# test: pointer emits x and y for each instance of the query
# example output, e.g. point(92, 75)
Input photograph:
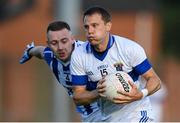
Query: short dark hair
point(97, 9)
point(58, 25)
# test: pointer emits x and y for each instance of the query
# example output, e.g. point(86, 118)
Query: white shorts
point(135, 116)
point(137, 111)
point(96, 116)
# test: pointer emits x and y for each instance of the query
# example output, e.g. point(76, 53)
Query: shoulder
point(78, 43)
point(47, 49)
point(126, 43)
point(80, 46)
point(48, 53)
point(130, 49)
point(79, 52)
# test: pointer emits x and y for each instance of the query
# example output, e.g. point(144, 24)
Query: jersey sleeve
point(138, 58)
point(78, 73)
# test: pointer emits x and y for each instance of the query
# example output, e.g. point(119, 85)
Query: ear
point(108, 26)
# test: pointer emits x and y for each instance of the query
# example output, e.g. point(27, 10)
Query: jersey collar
point(101, 56)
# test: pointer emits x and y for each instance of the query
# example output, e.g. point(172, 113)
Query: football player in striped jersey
point(57, 54)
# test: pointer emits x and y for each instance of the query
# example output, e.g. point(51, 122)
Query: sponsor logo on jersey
point(102, 67)
point(89, 73)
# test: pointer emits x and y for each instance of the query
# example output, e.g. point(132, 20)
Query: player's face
point(61, 43)
point(96, 29)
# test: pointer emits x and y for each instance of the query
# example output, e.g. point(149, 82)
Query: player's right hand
point(101, 87)
point(26, 56)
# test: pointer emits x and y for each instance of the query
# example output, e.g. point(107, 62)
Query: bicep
point(38, 52)
point(149, 74)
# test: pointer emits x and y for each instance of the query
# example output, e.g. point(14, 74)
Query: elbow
point(76, 100)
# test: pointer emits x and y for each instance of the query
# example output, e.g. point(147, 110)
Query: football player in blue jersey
point(57, 54)
point(104, 53)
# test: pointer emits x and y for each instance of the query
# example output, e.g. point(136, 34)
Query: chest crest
point(118, 66)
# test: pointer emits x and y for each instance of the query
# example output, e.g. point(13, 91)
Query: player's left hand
point(26, 56)
point(128, 97)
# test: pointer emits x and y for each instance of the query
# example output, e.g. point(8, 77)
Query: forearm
point(86, 97)
point(153, 82)
point(153, 85)
point(37, 51)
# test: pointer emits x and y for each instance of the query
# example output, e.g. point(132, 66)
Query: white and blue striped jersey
point(88, 67)
point(61, 71)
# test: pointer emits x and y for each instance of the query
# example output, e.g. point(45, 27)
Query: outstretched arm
point(37, 51)
point(32, 50)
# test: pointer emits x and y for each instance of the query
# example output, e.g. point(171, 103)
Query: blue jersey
point(61, 71)
point(121, 55)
